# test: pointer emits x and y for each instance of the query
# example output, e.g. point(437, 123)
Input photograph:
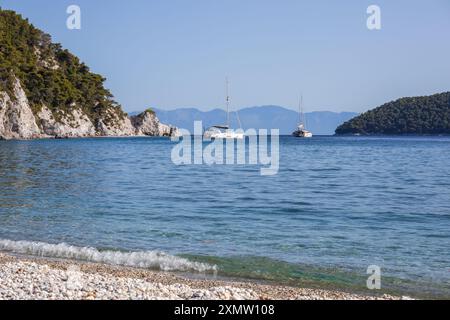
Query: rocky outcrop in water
point(148, 124)
point(18, 121)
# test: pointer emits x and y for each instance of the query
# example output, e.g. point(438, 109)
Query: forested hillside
point(49, 74)
point(416, 115)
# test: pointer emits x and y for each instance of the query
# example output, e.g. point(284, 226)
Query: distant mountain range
point(264, 117)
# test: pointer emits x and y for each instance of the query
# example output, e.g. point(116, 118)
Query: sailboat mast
point(300, 110)
point(227, 102)
point(303, 114)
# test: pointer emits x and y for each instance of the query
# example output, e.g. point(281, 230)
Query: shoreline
point(55, 138)
point(30, 277)
point(51, 138)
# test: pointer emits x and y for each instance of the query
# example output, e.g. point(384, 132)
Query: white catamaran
point(224, 131)
point(301, 131)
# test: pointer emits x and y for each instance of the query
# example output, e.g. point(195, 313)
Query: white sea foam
point(142, 259)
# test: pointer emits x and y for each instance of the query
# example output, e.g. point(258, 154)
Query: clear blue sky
point(176, 53)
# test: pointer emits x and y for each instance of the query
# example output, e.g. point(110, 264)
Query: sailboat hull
point(302, 134)
point(224, 135)
point(301, 131)
point(224, 131)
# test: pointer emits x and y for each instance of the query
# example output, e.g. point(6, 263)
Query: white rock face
point(16, 118)
point(116, 126)
point(148, 124)
point(17, 121)
point(76, 124)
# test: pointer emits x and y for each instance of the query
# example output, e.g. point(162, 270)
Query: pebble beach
point(30, 278)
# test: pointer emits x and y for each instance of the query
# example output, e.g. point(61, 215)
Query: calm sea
point(338, 205)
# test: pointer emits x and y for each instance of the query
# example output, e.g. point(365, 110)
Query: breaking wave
point(141, 259)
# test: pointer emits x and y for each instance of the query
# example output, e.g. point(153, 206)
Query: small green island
point(428, 115)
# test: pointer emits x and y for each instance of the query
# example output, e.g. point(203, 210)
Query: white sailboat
point(301, 131)
point(224, 131)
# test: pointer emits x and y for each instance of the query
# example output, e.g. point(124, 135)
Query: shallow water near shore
point(337, 205)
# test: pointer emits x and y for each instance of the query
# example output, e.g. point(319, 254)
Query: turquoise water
point(338, 205)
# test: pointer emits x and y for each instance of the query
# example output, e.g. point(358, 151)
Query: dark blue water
point(337, 206)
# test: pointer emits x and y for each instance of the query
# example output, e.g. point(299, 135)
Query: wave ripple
point(141, 259)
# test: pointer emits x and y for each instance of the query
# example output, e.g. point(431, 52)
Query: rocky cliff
point(45, 91)
point(17, 121)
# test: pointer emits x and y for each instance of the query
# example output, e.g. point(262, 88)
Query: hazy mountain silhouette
point(264, 117)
